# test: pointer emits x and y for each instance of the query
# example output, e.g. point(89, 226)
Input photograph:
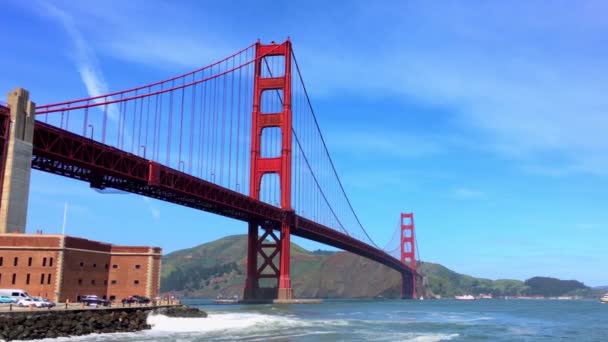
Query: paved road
point(79, 306)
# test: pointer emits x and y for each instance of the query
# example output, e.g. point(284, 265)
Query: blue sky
point(487, 119)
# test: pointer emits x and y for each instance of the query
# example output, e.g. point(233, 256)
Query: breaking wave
point(230, 326)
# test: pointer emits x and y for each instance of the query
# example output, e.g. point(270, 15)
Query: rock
point(52, 324)
point(180, 311)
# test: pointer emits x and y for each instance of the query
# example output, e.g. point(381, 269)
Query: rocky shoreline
point(51, 324)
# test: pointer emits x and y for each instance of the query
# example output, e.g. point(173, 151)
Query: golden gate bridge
point(238, 138)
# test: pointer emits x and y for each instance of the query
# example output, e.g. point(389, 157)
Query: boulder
point(180, 311)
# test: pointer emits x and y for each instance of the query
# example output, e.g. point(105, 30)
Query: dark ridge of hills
point(552, 287)
point(219, 267)
point(323, 252)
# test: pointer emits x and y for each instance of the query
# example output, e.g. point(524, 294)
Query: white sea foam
point(228, 326)
point(433, 337)
point(216, 325)
point(211, 323)
point(235, 321)
point(409, 337)
point(129, 336)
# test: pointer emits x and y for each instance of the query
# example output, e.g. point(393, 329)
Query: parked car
point(93, 300)
point(15, 294)
point(45, 301)
point(31, 302)
point(7, 300)
point(136, 299)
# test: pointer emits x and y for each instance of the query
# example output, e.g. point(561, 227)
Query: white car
point(31, 301)
point(45, 301)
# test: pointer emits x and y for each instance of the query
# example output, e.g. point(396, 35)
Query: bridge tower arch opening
point(408, 255)
point(272, 80)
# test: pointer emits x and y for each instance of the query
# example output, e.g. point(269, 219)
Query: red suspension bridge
point(238, 138)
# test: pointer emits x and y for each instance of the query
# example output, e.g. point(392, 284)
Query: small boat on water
point(465, 297)
point(604, 299)
point(226, 300)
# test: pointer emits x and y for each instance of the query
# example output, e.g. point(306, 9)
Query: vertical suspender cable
point(170, 126)
point(192, 125)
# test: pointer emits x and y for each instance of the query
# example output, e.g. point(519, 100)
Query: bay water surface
point(382, 320)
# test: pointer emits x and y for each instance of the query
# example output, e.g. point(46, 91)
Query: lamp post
point(92, 130)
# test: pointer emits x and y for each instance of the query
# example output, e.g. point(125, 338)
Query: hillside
point(544, 286)
point(218, 267)
point(447, 283)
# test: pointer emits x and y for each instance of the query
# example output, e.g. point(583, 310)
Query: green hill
point(551, 287)
point(219, 267)
point(442, 281)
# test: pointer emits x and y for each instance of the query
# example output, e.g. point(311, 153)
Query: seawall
point(43, 323)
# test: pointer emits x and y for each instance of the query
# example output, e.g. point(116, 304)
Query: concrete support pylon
point(18, 163)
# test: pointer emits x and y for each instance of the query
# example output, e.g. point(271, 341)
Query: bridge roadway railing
point(68, 154)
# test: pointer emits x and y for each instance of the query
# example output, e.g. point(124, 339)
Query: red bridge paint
point(408, 251)
point(261, 166)
point(128, 158)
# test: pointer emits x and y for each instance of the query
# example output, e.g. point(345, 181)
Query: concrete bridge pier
point(16, 162)
point(408, 289)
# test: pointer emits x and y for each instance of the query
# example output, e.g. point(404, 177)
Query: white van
point(15, 294)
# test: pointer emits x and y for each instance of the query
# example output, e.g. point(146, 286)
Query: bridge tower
point(408, 255)
point(16, 137)
point(260, 166)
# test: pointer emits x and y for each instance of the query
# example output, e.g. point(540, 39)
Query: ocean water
point(383, 320)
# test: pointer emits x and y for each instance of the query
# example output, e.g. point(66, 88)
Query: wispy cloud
point(148, 32)
point(383, 143)
point(373, 180)
point(590, 164)
point(587, 227)
point(152, 208)
point(88, 68)
point(83, 55)
point(468, 194)
point(528, 96)
point(523, 112)
point(164, 50)
point(529, 88)
point(526, 101)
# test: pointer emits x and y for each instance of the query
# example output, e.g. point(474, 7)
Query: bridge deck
point(64, 153)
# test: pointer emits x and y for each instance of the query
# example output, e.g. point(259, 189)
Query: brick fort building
point(62, 267)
